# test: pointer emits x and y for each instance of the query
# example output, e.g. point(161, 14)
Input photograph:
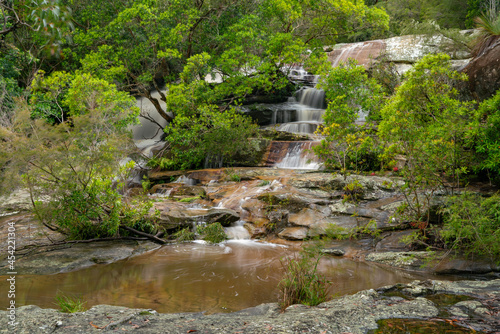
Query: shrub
point(212, 233)
point(472, 224)
point(353, 191)
point(70, 304)
point(184, 235)
point(301, 283)
point(232, 175)
point(336, 232)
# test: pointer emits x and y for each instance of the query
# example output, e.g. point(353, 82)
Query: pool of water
point(195, 277)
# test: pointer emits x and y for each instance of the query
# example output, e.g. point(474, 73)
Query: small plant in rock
point(336, 232)
point(301, 283)
point(263, 183)
point(369, 229)
point(184, 235)
point(352, 192)
point(70, 304)
point(212, 233)
point(146, 184)
point(232, 175)
point(189, 199)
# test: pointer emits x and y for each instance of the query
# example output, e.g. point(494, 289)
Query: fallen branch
point(143, 234)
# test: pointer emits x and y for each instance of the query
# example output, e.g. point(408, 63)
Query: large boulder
point(175, 218)
point(401, 50)
point(484, 71)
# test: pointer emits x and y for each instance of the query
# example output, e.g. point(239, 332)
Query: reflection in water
point(194, 277)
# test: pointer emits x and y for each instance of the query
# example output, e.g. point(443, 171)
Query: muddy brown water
point(193, 277)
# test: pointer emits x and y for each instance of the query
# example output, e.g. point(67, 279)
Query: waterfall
point(293, 155)
point(312, 97)
point(237, 231)
point(299, 127)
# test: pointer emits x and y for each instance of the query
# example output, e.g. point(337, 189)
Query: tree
point(47, 18)
point(201, 130)
point(348, 92)
point(427, 123)
point(70, 167)
point(485, 133)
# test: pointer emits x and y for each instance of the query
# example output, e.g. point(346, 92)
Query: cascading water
point(293, 155)
point(237, 231)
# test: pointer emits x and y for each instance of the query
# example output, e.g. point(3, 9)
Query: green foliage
point(189, 199)
point(427, 123)
point(488, 25)
point(485, 130)
point(301, 283)
point(353, 191)
point(472, 224)
point(348, 90)
point(232, 175)
point(336, 232)
point(263, 183)
point(184, 235)
point(208, 137)
point(70, 304)
point(212, 233)
point(446, 13)
point(70, 167)
point(146, 183)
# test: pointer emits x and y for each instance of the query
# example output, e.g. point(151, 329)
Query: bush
point(184, 235)
point(301, 283)
point(472, 224)
point(212, 233)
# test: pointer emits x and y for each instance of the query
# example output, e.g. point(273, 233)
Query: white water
point(297, 157)
point(237, 231)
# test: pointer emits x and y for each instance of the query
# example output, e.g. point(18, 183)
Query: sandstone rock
point(19, 200)
point(294, 233)
point(306, 217)
point(71, 257)
point(391, 242)
point(484, 71)
point(180, 218)
point(333, 251)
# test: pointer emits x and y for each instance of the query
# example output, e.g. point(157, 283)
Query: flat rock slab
point(69, 257)
point(182, 217)
point(357, 313)
point(436, 262)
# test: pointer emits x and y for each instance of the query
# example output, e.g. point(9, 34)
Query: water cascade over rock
point(292, 155)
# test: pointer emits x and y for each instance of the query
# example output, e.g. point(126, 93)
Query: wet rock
point(178, 190)
point(460, 265)
point(256, 232)
point(294, 233)
point(333, 251)
point(392, 241)
point(407, 260)
point(181, 217)
point(70, 257)
point(164, 176)
point(306, 217)
point(282, 136)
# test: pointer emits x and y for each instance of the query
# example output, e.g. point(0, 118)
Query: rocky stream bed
point(282, 207)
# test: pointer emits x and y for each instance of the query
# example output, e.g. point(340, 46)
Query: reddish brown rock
point(484, 70)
